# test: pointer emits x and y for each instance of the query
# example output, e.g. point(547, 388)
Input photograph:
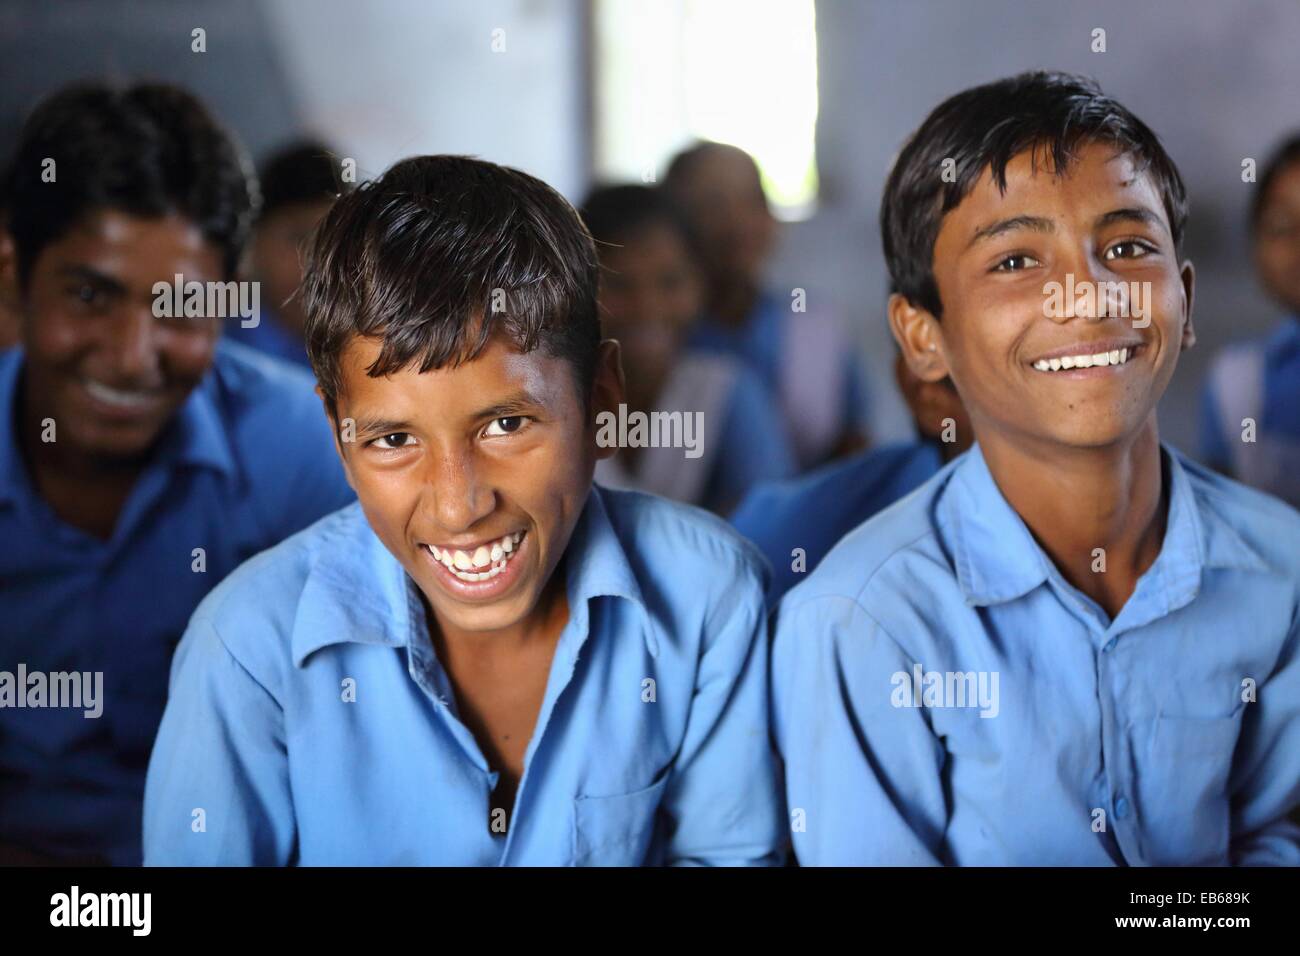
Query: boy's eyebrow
point(519, 402)
point(382, 426)
point(1130, 214)
point(87, 274)
point(1036, 223)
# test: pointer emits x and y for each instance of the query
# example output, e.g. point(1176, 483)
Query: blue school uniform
point(651, 743)
point(813, 512)
point(271, 337)
point(806, 361)
point(942, 694)
point(740, 440)
point(1259, 381)
point(247, 461)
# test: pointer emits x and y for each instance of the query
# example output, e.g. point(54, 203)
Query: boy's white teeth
point(486, 561)
point(116, 396)
point(1113, 357)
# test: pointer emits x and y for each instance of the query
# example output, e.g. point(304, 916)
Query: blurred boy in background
point(794, 523)
point(804, 357)
point(142, 456)
point(1259, 380)
point(299, 184)
point(651, 295)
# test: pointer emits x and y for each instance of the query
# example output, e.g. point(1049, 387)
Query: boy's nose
point(133, 349)
point(460, 498)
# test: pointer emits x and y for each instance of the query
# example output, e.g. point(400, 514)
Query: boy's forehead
point(500, 369)
point(140, 249)
point(1098, 174)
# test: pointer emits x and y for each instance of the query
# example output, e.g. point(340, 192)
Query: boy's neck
point(1076, 500)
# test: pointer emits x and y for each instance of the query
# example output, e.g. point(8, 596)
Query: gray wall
point(382, 79)
point(1219, 81)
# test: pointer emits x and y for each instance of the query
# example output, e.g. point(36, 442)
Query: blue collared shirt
point(248, 460)
point(651, 744)
point(761, 343)
point(1280, 402)
point(271, 337)
point(1046, 733)
point(813, 512)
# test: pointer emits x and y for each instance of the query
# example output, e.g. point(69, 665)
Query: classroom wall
point(384, 80)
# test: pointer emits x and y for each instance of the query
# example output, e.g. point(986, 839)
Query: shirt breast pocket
point(1183, 766)
point(616, 830)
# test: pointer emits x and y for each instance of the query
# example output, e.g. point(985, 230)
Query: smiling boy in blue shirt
point(487, 661)
point(141, 456)
point(1072, 645)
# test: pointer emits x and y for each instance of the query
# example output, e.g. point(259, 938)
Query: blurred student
point(142, 456)
point(1073, 645)
point(795, 522)
point(488, 661)
point(651, 294)
point(9, 322)
point(1260, 380)
point(298, 185)
point(804, 357)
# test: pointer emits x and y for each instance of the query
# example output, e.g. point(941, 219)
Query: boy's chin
point(1100, 434)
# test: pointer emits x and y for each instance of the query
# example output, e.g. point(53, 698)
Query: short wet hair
point(438, 254)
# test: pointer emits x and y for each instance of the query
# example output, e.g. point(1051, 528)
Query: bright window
point(669, 72)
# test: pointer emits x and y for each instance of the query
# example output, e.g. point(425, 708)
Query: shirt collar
point(196, 435)
point(997, 558)
point(357, 592)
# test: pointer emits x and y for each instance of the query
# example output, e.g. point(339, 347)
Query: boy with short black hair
point(487, 661)
point(141, 457)
point(298, 183)
point(1072, 645)
point(651, 296)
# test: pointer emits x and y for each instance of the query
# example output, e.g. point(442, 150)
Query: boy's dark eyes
point(89, 296)
point(504, 426)
point(1015, 263)
point(392, 441)
point(496, 428)
point(1139, 249)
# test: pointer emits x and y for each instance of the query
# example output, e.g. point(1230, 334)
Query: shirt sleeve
point(1266, 769)
point(723, 799)
point(217, 791)
point(863, 777)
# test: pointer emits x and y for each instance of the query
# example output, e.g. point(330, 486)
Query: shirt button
point(1110, 645)
point(1121, 808)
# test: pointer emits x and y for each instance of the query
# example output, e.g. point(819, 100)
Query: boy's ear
point(334, 430)
point(1188, 275)
point(607, 391)
point(920, 337)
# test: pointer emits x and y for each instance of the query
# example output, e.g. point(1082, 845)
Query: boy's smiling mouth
point(1087, 355)
point(481, 570)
